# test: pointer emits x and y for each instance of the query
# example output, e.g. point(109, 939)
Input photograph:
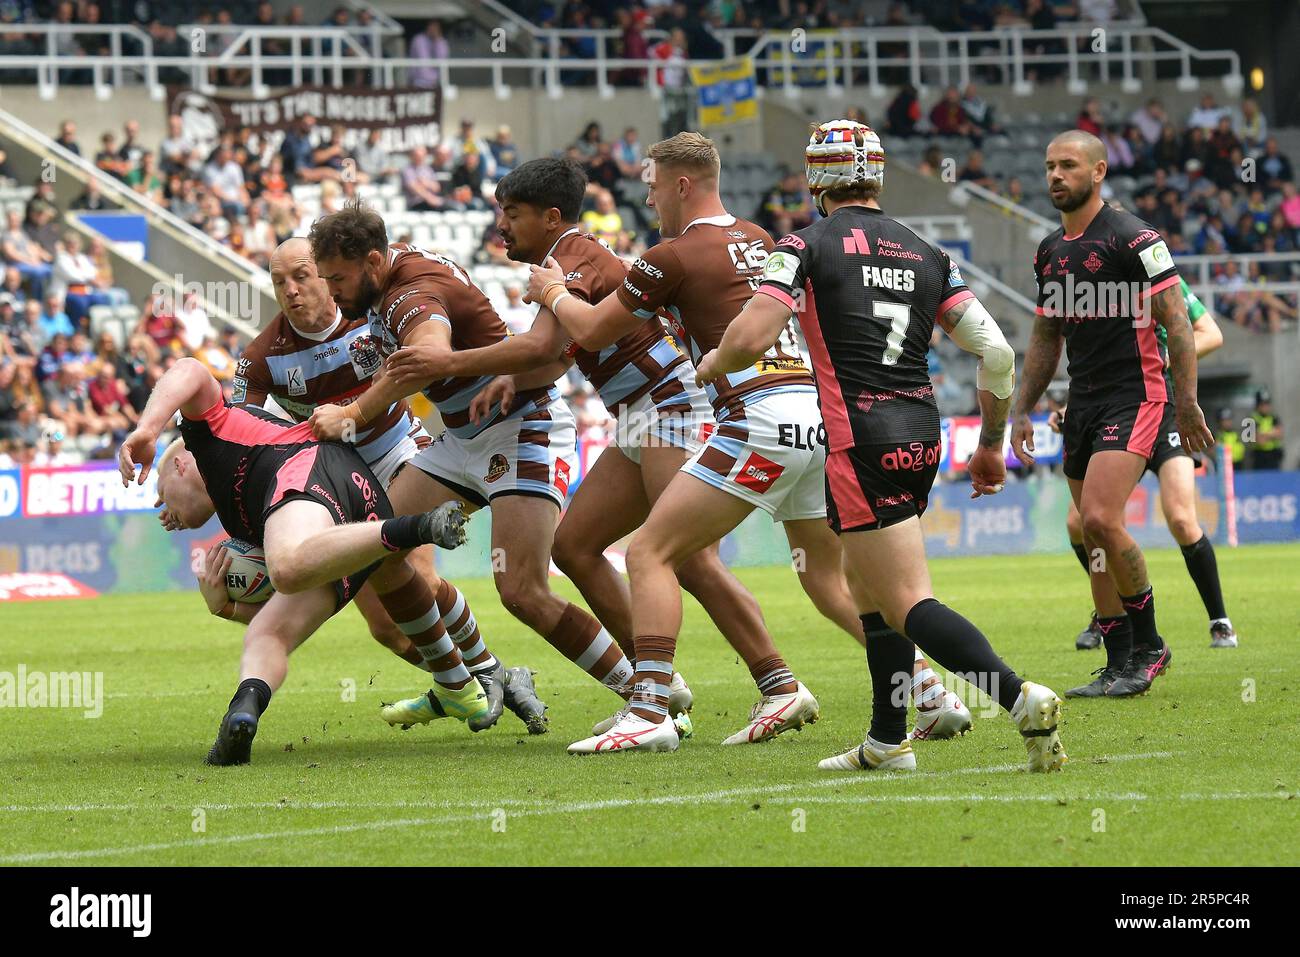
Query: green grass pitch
point(1204, 770)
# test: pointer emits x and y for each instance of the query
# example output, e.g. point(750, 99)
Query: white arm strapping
point(977, 332)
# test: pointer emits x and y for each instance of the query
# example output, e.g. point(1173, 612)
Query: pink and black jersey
point(1099, 282)
point(252, 462)
point(867, 292)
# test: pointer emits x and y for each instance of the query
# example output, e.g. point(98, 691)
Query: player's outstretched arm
point(187, 387)
point(541, 345)
point(747, 338)
point(593, 327)
point(1207, 335)
point(1041, 360)
point(1168, 309)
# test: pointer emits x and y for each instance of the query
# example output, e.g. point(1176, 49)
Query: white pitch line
point(710, 797)
point(855, 779)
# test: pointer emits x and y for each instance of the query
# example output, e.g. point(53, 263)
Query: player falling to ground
point(517, 461)
point(765, 451)
point(309, 355)
point(648, 385)
point(1175, 470)
point(1105, 278)
point(324, 522)
point(867, 292)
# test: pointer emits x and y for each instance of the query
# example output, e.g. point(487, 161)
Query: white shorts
point(389, 464)
point(674, 413)
point(534, 454)
point(774, 457)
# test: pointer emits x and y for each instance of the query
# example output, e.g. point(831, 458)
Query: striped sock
point(460, 623)
point(654, 670)
point(413, 608)
point(770, 674)
point(927, 689)
point(580, 638)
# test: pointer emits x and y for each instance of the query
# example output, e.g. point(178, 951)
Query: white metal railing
point(940, 228)
point(319, 50)
point(836, 56)
point(1202, 267)
point(1040, 225)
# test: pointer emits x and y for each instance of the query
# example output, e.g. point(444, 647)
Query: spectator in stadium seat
point(296, 153)
point(420, 183)
point(130, 151)
point(67, 137)
point(505, 153)
point(144, 179)
point(1150, 121)
point(979, 110)
point(225, 178)
point(91, 199)
point(8, 177)
point(259, 237)
point(633, 46)
point(176, 152)
point(1251, 126)
point(466, 142)
point(23, 325)
point(931, 163)
point(216, 360)
point(588, 142)
point(108, 160)
point(25, 254)
point(334, 155)
point(1290, 205)
point(604, 222)
point(517, 314)
point(67, 400)
point(949, 119)
point(1221, 145)
point(374, 160)
point(194, 325)
point(1090, 118)
point(1097, 11)
point(127, 368)
point(54, 319)
point(1274, 166)
point(674, 82)
point(443, 161)
point(1015, 191)
point(108, 399)
point(603, 170)
point(975, 172)
point(429, 45)
point(1206, 115)
point(158, 321)
point(903, 113)
point(52, 454)
point(11, 287)
point(787, 207)
point(76, 277)
point(469, 173)
point(1119, 156)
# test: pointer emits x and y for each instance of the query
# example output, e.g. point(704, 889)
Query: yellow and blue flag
point(727, 92)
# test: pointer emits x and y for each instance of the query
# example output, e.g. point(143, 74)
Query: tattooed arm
point(1041, 360)
point(1168, 309)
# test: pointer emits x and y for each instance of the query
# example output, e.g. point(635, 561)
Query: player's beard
point(1072, 200)
point(367, 292)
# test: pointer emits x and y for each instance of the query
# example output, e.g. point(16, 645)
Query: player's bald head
point(291, 251)
point(1092, 149)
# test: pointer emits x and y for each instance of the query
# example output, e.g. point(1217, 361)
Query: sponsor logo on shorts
point(1111, 433)
point(498, 466)
point(1175, 440)
point(562, 476)
point(758, 473)
point(914, 458)
point(317, 490)
point(795, 435)
point(889, 500)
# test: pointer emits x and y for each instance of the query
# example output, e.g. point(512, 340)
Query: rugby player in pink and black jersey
point(1105, 279)
point(867, 292)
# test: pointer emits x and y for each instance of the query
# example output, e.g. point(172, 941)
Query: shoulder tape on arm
point(977, 332)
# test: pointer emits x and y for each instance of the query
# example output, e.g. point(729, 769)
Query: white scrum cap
point(842, 153)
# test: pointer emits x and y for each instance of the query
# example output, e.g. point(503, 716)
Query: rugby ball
point(247, 580)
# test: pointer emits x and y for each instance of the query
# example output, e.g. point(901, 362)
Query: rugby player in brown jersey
point(517, 461)
point(309, 355)
point(1119, 392)
point(765, 451)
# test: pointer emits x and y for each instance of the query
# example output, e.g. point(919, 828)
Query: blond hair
point(177, 446)
point(691, 153)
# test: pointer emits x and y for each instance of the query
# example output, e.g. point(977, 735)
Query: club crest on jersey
point(954, 276)
point(363, 352)
point(1093, 262)
point(498, 466)
point(294, 381)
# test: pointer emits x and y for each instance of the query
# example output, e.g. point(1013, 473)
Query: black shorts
point(338, 478)
point(875, 486)
point(1126, 426)
point(1169, 444)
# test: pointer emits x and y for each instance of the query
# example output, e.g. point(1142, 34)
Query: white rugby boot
point(1037, 713)
point(871, 755)
point(950, 719)
point(631, 732)
point(774, 714)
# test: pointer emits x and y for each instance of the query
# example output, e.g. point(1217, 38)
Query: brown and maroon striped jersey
point(302, 370)
point(423, 287)
point(629, 368)
point(701, 280)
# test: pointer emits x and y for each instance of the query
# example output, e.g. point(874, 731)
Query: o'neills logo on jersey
point(498, 466)
point(363, 352)
point(324, 354)
point(916, 456)
point(654, 272)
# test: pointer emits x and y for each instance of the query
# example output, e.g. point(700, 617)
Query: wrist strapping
point(552, 293)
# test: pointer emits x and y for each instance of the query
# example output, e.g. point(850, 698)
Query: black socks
point(1141, 610)
point(952, 641)
point(253, 695)
point(1203, 568)
point(1081, 553)
point(889, 659)
point(1117, 636)
point(401, 533)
